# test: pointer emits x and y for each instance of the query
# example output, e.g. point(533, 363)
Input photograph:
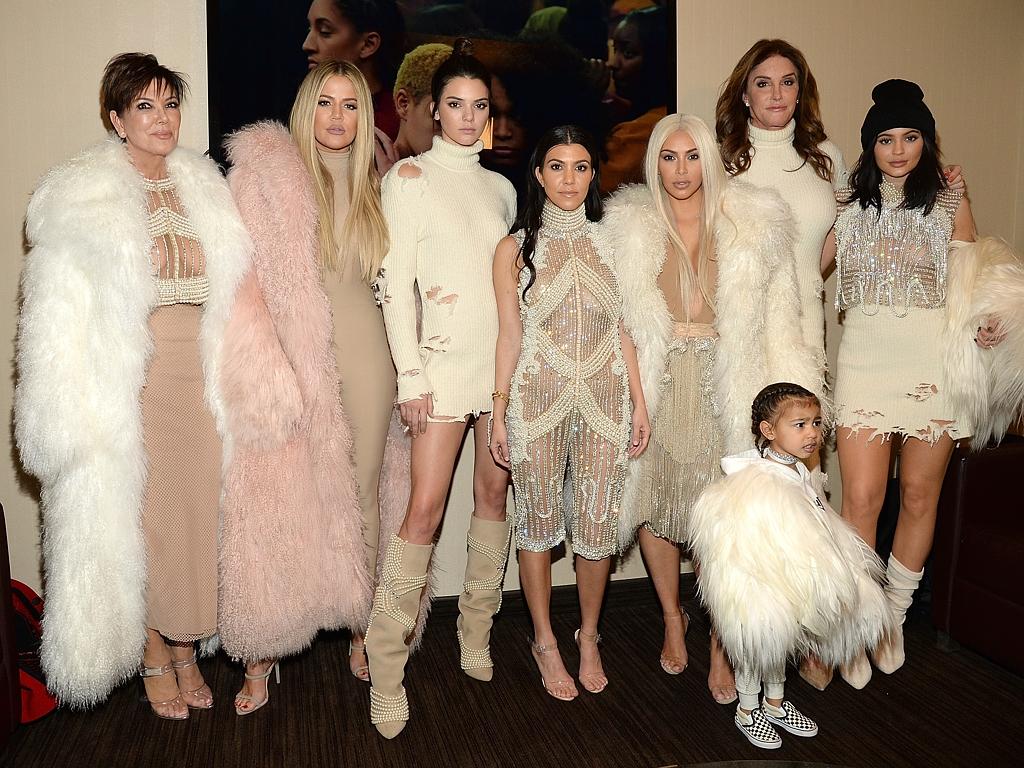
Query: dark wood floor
point(942, 709)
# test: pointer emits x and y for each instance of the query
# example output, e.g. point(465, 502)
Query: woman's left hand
point(641, 432)
point(384, 153)
point(955, 178)
point(990, 334)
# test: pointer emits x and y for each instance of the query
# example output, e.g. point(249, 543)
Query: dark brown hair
point(127, 75)
point(462, 63)
point(770, 403)
point(731, 113)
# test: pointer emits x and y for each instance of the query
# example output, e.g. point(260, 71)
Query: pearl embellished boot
point(392, 620)
point(488, 543)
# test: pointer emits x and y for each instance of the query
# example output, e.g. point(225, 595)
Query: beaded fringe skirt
point(686, 441)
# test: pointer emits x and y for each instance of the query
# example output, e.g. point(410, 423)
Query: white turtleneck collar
point(456, 157)
point(761, 138)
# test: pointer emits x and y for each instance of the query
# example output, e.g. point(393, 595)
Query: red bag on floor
point(36, 701)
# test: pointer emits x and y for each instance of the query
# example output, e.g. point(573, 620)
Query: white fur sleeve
point(53, 420)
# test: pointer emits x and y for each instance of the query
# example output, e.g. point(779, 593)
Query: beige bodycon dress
point(368, 379)
point(180, 505)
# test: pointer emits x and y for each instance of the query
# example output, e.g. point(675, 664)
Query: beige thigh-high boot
point(899, 591)
point(392, 619)
point(488, 542)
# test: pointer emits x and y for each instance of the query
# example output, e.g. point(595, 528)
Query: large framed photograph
point(608, 66)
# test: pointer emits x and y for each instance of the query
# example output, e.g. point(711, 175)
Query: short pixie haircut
point(129, 74)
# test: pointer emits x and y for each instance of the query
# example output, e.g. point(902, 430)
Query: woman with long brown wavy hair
point(769, 127)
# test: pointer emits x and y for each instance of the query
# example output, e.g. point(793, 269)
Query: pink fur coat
point(293, 559)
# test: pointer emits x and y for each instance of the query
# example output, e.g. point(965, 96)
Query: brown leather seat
point(978, 599)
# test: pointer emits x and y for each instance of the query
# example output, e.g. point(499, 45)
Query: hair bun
point(463, 46)
point(896, 91)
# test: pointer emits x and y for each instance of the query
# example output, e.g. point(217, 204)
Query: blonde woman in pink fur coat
point(311, 385)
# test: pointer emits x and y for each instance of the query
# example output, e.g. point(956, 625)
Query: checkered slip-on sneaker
point(790, 719)
point(757, 729)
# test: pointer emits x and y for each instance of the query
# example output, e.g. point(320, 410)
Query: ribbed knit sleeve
point(401, 200)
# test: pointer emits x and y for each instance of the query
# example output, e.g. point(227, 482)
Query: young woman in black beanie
point(890, 243)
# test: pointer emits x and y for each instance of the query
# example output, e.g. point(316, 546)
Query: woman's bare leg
point(535, 578)
point(662, 559)
point(591, 581)
point(432, 465)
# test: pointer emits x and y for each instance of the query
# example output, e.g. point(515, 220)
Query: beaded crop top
point(179, 263)
point(896, 258)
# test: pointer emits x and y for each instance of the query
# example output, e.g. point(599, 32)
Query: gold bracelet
point(499, 393)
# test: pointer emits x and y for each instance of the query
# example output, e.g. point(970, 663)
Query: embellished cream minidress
point(889, 376)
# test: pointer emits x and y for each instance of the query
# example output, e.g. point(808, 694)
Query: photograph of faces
point(606, 65)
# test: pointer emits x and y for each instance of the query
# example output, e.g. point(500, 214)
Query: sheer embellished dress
point(891, 289)
point(569, 409)
point(686, 441)
point(183, 450)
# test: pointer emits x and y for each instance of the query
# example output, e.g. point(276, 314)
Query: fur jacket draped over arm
point(757, 307)
point(293, 552)
point(82, 354)
point(985, 279)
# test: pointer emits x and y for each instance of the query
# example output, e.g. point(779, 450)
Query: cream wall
point(967, 56)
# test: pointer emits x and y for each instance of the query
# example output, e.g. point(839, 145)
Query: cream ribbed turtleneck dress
point(364, 360)
point(444, 226)
point(775, 164)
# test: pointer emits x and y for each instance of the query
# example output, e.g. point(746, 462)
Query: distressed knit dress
point(444, 226)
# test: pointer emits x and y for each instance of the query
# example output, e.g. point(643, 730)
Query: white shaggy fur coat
point(782, 575)
point(985, 279)
point(757, 308)
point(82, 353)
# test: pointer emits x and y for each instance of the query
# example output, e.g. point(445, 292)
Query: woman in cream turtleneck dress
point(445, 216)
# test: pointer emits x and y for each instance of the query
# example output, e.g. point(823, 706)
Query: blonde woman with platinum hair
point(319, 386)
point(705, 264)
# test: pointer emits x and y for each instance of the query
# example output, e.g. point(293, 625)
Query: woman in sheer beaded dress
point(891, 244)
point(709, 287)
point(137, 250)
point(565, 377)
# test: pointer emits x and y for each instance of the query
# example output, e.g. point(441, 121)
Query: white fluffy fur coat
point(757, 308)
point(82, 353)
point(781, 574)
point(985, 279)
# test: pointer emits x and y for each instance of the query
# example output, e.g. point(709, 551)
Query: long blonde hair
point(713, 171)
point(364, 235)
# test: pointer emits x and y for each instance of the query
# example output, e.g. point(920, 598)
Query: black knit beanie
point(898, 104)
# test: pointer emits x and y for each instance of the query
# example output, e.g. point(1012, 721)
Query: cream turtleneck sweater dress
point(775, 164)
point(444, 226)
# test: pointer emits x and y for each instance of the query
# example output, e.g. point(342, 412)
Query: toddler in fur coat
point(781, 574)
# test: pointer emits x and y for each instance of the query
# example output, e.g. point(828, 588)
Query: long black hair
point(920, 190)
point(529, 217)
